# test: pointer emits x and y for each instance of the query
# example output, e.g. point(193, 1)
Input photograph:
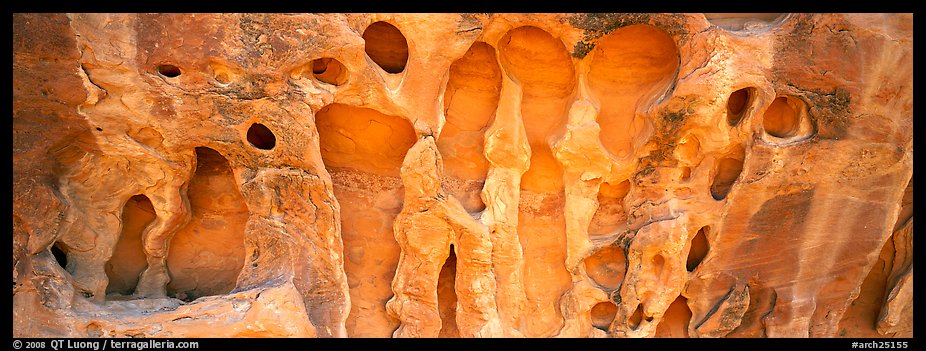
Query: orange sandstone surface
point(463, 175)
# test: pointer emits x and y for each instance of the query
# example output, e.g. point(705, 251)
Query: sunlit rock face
point(463, 175)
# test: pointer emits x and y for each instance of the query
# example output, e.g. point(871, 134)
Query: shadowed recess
point(698, 250)
point(386, 46)
point(207, 254)
point(168, 70)
point(737, 104)
point(329, 70)
point(447, 297)
point(128, 260)
point(60, 255)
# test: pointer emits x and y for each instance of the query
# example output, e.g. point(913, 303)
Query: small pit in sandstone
point(168, 70)
point(386, 46)
point(737, 105)
point(261, 137)
point(603, 314)
point(329, 70)
point(129, 260)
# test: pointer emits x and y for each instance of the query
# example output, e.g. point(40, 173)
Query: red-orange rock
point(462, 175)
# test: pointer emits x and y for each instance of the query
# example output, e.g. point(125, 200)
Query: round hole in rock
point(168, 70)
point(782, 118)
point(261, 137)
point(329, 70)
point(60, 255)
point(603, 314)
point(386, 46)
point(737, 104)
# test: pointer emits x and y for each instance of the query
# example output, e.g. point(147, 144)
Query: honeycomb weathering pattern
point(595, 175)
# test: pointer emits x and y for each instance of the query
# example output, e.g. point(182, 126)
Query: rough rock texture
point(463, 175)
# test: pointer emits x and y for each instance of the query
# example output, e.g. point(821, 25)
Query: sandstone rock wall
point(462, 175)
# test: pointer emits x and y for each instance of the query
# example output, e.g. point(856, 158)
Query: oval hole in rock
point(782, 119)
point(699, 248)
point(168, 70)
point(737, 105)
point(386, 46)
point(261, 137)
point(728, 170)
point(329, 70)
point(603, 314)
point(60, 255)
